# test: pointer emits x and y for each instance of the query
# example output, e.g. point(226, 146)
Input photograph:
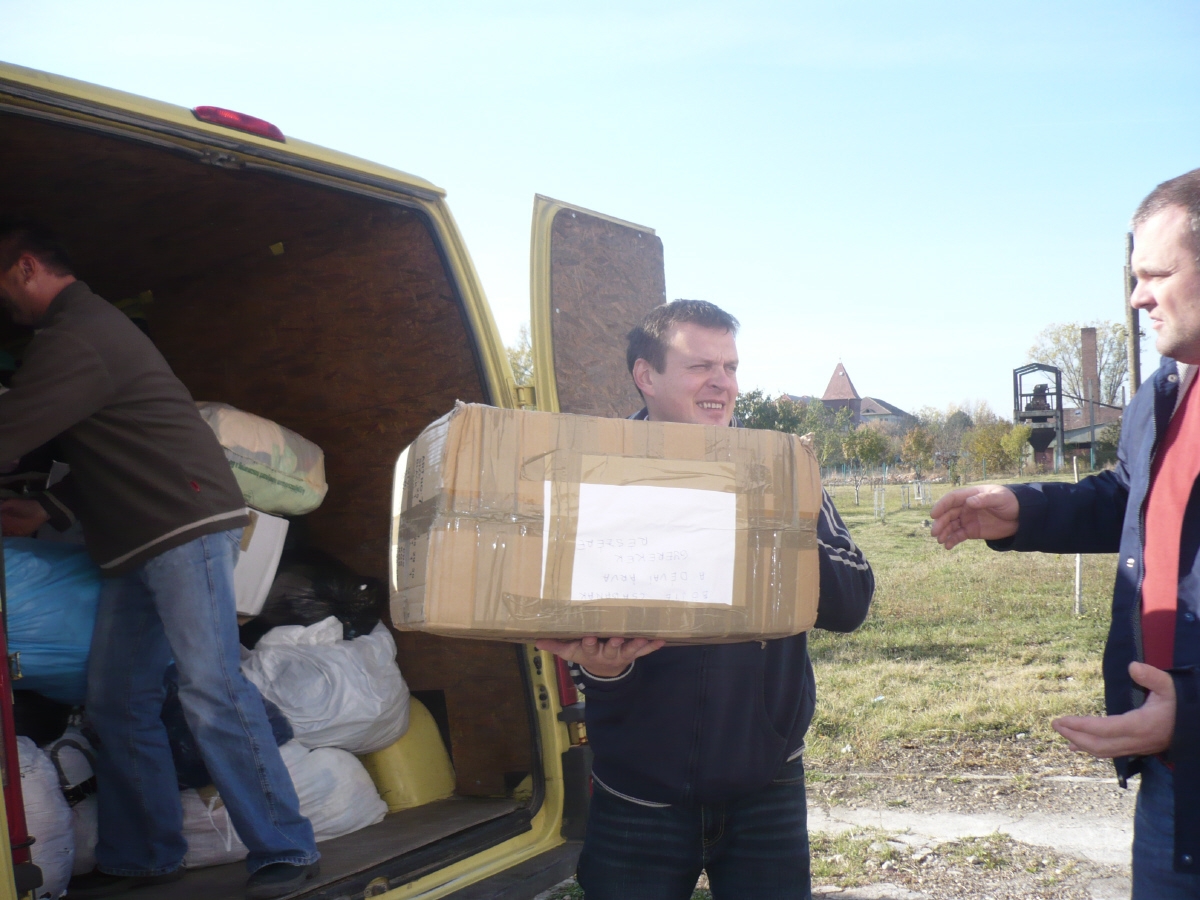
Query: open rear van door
point(592, 278)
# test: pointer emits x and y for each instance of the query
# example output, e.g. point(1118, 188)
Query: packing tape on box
point(516, 525)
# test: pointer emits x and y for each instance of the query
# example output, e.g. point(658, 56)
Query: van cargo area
point(329, 308)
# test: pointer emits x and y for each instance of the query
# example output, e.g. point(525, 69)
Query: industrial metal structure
point(1040, 407)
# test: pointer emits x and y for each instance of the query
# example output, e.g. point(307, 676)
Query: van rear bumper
point(527, 880)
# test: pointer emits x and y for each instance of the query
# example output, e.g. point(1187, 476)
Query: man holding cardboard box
point(698, 749)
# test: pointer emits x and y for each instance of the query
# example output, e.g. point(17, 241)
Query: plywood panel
point(352, 337)
point(604, 278)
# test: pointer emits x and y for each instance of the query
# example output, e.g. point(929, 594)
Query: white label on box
point(638, 542)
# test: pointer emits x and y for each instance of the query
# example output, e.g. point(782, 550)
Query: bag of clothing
point(211, 837)
point(335, 693)
point(48, 819)
point(336, 793)
point(53, 590)
point(311, 585)
point(278, 470)
point(74, 758)
point(189, 764)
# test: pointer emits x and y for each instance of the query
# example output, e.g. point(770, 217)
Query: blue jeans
point(753, 848)
point(1154, 877)
point(180, 605)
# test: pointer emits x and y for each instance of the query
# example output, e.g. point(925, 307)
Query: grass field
point(963, 645)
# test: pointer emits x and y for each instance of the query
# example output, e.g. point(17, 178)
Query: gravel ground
point(916, 790)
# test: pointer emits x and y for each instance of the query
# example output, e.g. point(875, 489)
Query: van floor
point(341, 858)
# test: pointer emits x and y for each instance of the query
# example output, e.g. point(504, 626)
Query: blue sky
point(913, 189)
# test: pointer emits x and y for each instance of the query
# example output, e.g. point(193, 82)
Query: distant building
point(841, 394)
point(876, 410)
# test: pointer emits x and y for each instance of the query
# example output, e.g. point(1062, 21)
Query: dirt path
point(966, 821)
point(978, 821)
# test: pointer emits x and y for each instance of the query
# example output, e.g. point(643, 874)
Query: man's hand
point(1141, 732)
point(22, 517)
point(987, 511)
point(604, 659)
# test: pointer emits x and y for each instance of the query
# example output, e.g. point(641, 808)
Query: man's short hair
point(1183, 191)
point(648, 340)
point(18, 236)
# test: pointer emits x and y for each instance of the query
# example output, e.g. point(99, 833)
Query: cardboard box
point(514, 525)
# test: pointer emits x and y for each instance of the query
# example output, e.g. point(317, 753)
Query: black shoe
point(100, 884)
point(278, 880)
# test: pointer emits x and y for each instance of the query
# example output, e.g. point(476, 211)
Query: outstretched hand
point(982, 512)
point(604, 659)
point(1140, 732)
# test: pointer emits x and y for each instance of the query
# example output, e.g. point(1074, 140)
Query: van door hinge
point(527, 396)
point(221, 160)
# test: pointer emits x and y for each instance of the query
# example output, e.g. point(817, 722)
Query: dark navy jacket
point(709, 723)
point(1105, 513)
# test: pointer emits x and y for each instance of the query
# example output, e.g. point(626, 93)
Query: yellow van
point(335, 296)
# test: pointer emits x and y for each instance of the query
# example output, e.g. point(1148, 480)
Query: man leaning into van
point(698, 749)
point(162, 516)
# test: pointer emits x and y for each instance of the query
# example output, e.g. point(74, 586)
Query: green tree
point(985, 445)
point(1014, 444)
point(864, 448)
point(917, 450)
point(1060, 345)
point(1106, 443)
point(758, 410)
point(520, 358)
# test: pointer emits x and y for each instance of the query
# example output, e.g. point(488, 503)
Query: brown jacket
point(147, 473)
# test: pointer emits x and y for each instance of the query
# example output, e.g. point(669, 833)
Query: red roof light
point(215, 115)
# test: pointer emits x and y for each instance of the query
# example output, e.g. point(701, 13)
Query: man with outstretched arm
point(1147, 509)
point(698, 749)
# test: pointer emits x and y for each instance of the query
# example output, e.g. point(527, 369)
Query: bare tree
point(1060, 345)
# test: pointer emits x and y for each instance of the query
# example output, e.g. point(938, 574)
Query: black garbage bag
point(311, 585)
point(39, 718)
point(189, 764)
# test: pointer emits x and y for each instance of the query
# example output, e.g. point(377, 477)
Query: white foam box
point(262, 546)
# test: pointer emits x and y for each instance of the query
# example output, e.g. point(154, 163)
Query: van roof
point(92, 100)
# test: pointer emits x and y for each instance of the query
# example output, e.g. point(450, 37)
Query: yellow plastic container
point(416, 769)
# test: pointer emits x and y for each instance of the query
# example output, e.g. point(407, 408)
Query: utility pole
point(1133, 331)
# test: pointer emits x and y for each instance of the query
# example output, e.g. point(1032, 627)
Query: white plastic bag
point(336, 693)
point(211, 837)
point(335, 791)
point(336, 795)
point(278, 470)
point(48, 818)
point(73, 756)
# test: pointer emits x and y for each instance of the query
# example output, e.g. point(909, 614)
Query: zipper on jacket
point(1137, 605)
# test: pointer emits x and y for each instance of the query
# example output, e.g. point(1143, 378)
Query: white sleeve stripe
point(851, 555)
point(836, 556)
point(577, 670)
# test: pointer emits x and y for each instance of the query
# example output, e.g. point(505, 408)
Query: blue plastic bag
point(53, 590)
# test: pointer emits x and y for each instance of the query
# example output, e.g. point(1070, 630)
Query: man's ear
point(643, 377)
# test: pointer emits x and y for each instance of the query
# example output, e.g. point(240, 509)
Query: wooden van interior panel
point(485, 705)
point(357, 348)
point(352, 336)
point(604, 278)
